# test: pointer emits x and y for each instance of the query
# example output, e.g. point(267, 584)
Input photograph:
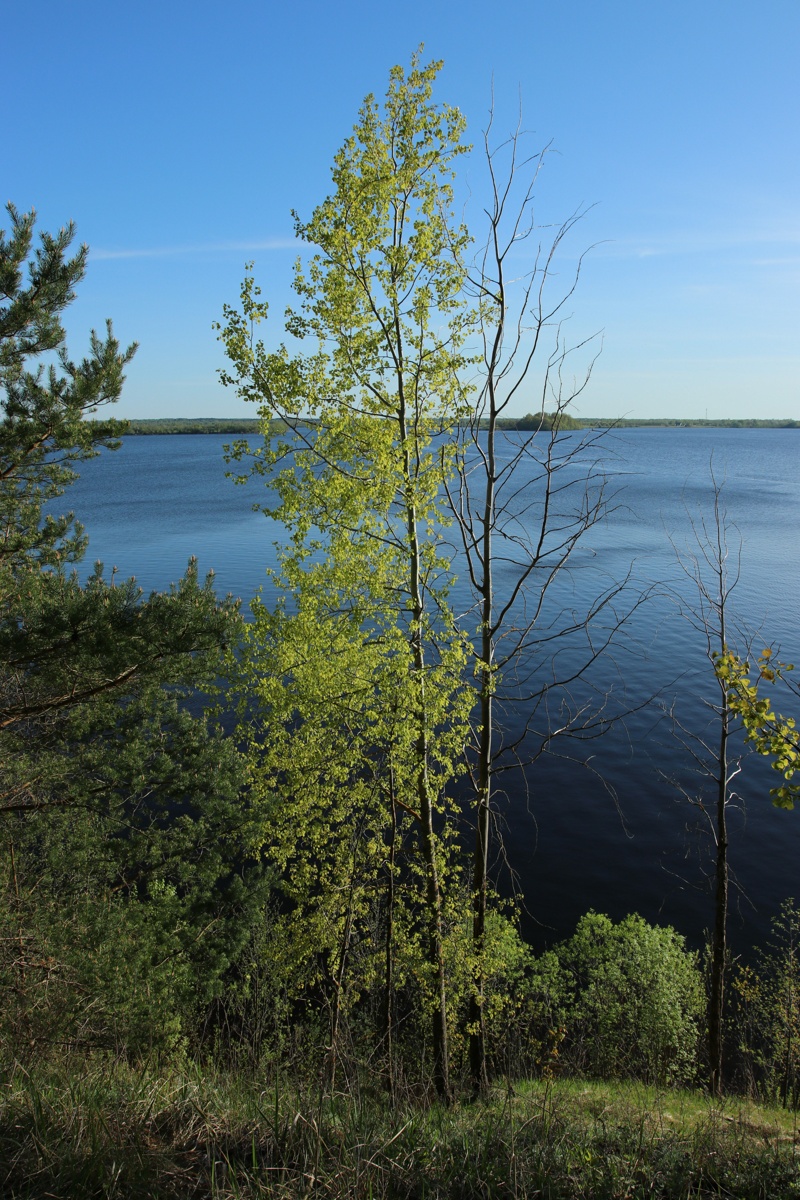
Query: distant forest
point(245, 425)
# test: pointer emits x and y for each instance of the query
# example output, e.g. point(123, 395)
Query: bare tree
point(714, 571)
point(523, 501)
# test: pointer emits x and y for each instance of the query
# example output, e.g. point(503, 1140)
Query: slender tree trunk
point(719, 947)
point(338, 983)
point(433, 891)
point(388, 1013)
point(20, 936)
point(789, 1082)
point(480, 868)
point(477, 1015)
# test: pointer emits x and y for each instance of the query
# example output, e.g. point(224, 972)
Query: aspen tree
point(357, 478)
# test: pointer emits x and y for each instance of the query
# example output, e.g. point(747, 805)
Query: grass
point(110, 1131)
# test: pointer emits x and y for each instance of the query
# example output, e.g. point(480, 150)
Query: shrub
point(624, 1000)
point(767, 1012)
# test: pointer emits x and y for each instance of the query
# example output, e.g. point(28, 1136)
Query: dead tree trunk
point(528, 530)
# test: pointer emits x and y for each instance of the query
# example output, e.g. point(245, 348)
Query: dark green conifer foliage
point(45, 405)
point(124, 883)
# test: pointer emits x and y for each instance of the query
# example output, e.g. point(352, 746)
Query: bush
point(622, 1000)
point(125, 900)
point(767, 1012)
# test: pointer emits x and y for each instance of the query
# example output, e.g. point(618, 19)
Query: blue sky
point(180, 135)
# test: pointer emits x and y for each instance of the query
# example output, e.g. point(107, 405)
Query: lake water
point(597, 824)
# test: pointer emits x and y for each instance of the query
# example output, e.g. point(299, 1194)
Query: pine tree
point(119, 811)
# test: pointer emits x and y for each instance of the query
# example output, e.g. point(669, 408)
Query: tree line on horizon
point(314, 887)
point(544, 421)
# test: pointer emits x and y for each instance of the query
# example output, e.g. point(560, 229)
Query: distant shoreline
point(242, 426)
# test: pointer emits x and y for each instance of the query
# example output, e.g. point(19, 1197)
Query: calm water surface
point(600, 824)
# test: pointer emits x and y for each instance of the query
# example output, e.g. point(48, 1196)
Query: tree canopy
point(120, 808)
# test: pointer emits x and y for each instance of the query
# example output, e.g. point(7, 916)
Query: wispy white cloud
point(785, 260)
point(699, 241)
point(98, 254)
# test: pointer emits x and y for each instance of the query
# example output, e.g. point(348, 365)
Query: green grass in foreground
point(115, 1132)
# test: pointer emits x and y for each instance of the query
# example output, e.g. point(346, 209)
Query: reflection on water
point(598, 823)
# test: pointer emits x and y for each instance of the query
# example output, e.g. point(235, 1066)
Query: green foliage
point(125, 884)
point(767, 1017)
point(173, 425)
point(63, 644)
point(624, 1000)
point(506, 963)
point(44, 430)
point(771, 734)
point(129, 893)
point(544, 421)
point(357, 710)
point(670, 422)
